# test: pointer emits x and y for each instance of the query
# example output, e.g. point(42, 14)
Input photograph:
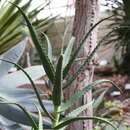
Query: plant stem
point(56, 115)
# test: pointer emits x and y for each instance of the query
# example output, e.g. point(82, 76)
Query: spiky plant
point(12, 25)
point(120, 38)
point(57, 76)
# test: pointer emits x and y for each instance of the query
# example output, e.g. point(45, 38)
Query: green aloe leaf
point(34, 87)
point(57, 90)
point(65, 34)
point(40, 125)
point(98, 101)
point(98, 91)
point(68, 51)
point(80, 93)
point(86, 62)
point(49, 46)
point(79, 110)
point(49, 69)
point(67, 68)
point(67, 121)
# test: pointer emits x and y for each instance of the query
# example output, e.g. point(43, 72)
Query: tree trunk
point(85, 17)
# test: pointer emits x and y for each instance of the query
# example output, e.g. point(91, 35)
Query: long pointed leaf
point(67, 68)
point(86, 62)
point(57, 90)
point(68, 52)
point(71, 120)
point(49, 46)
point(40, 126)
point(80, 93)
point(49, 69)
point(98, 101)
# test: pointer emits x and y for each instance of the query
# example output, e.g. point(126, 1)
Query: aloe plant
point(12, 26)
point(57, 76)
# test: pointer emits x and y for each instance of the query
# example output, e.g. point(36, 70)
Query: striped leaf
point(79, 110)
point(85, 62)
point(49, 46)
point(57, 90)
point(49, 69)
point(68, 52)
point(67, 68)
point(98, 101)
point(80, 93)
point(71, 120)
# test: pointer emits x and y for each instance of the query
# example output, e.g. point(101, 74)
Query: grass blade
point(86, 62)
